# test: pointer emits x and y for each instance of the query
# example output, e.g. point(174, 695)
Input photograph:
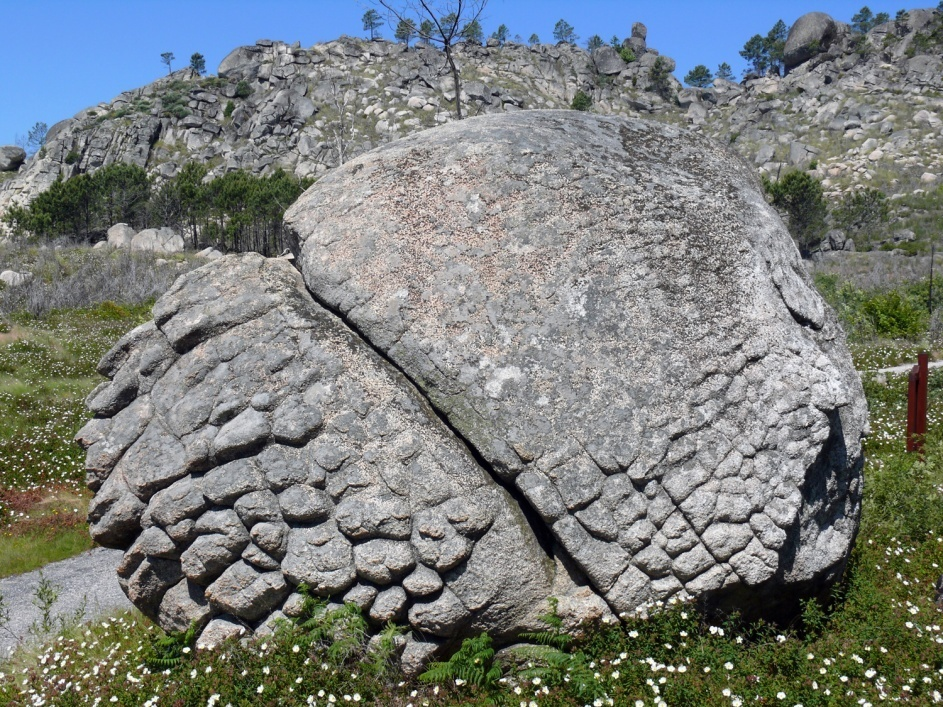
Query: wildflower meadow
point(877, 638)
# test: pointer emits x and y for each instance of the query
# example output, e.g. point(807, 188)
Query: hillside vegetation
point(861, 116)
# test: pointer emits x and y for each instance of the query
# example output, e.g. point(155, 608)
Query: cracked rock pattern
point(613, 317)
point(247, 441)
point(544, 354)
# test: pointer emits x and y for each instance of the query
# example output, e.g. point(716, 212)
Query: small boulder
point(15, 279)
point(158, 240)
point(608, 61)
point(120, 235)
point(11, 157)
point(811, 34)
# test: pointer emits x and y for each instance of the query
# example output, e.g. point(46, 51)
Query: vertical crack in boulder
point(611, 315)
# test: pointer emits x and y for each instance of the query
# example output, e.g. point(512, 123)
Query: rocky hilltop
point(853, 109)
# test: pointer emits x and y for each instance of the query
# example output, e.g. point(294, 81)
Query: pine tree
point(198, 64)
point(405, 31)
point(371, 23)
point(501, 34)
point(755, 52)
point(472, 32)
point(533, 39)
point(167, 58)
point(863, 20)
point(724, 72)
point(699, 77)
point(563, 32)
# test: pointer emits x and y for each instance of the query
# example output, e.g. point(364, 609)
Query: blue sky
point(65, 55)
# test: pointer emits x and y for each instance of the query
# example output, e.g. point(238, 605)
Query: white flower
point(260, 688)
point(728, 665)
point(780, 695)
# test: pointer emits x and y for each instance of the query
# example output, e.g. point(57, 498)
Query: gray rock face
point(120, 235)
point(619, 353)
point(160, 240)
point(11, 278)
point(639, 351)
point(248, 441)
point(608, 61)
point(811, 34)
point(11, 157)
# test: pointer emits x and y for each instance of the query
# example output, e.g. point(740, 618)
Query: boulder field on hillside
point(546, 354)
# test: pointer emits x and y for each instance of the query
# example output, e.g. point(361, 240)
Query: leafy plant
point(343, 631)
point(658, 77)
point(628, 56)
point(550, 662)
point(581, 101)
point(381, 660)
point(228, 110)
point(44, 598)
point(243, 89)
point(472, 663)
point(799, 196)
point(72, 157)
point(168, 651)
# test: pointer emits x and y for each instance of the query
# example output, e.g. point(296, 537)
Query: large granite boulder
point(811, 34)
point(607, 60)
point(11, 157)
point(120, 235)
point(247, 441)
point(541, 354)
point(157, 240)
point(613, 317)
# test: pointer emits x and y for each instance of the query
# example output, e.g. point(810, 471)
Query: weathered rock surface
point(11, 278)
point(248, 442)
point(11, 157)
point(606, 379)
point(120, 235)
point(159, 240)
point(626, 335)
point(811, 34)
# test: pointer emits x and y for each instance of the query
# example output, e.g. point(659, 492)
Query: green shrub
point(895, 316)
point(581, 101)
point(473, 663)
point(628, 56)
point(862, 212)
point(72, 157)
point(167, 652)
point(659, 78)
point(228, 110)
point(243, 89)
point(799, 196)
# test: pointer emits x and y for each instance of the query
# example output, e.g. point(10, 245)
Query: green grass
point(24, 553)
point(47, 368)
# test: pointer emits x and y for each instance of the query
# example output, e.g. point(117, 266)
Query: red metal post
point(912, 410)
point(917, 404)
